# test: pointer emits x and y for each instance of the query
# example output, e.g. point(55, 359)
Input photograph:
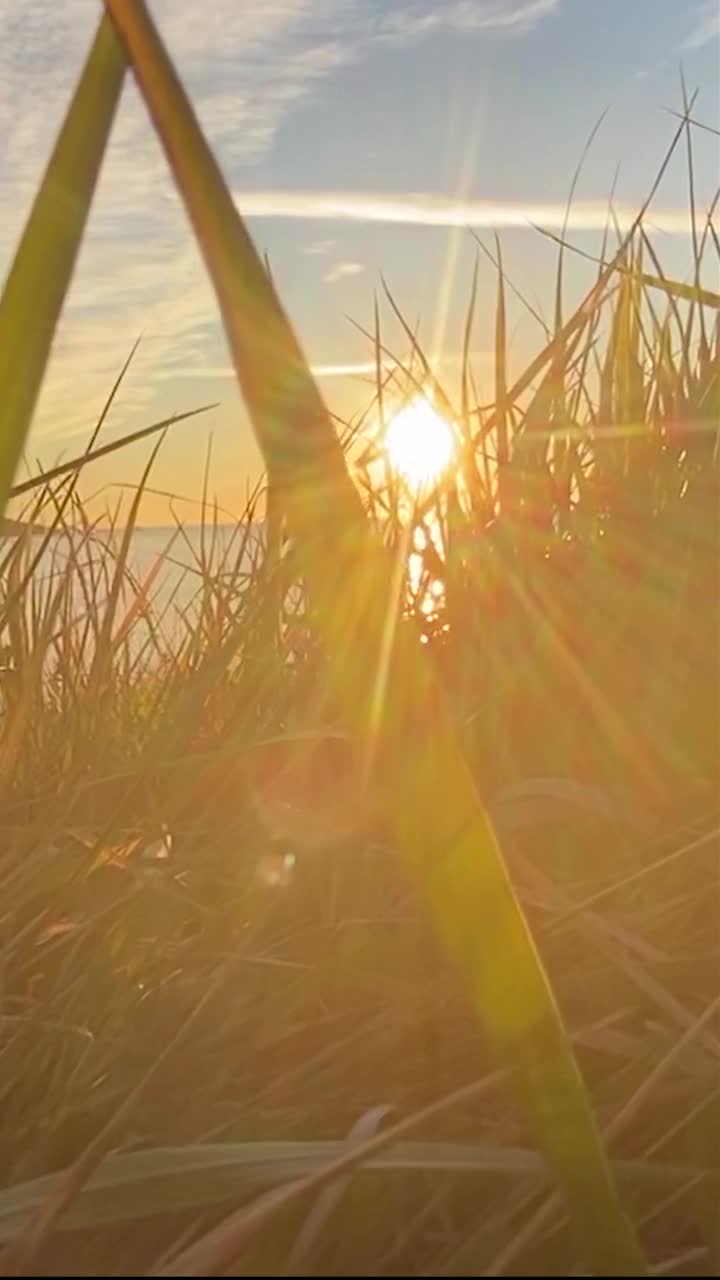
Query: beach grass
point(320, 846)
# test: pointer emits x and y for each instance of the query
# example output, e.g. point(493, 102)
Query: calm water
point(165, 569)
point(173, 560)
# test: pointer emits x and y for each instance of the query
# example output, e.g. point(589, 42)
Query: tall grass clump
point(250, 867)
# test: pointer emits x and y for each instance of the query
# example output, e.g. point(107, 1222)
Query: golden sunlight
point(420, 443)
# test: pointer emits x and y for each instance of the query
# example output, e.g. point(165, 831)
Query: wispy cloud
point(704, 30)
point(358, 369)
point(248, 67)
point(706, 27)
point(343, 269)
point(442, 211)
point(510, 17)
point(517, 16)
point(347, 369)
point(318, 248)
point(350, 369)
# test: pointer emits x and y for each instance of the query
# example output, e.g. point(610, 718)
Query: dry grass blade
point(100, 669)
point(522, 299)
point(636, 877)
point(39, 277)
point(694, 293)
point(220, 1246)
point(427, 380)
point(502, 402)
point(91, 455)
point(111, 397)
point(19, 1258)
point(695, 124)
point(46, 478)
point(593, 297)
point(328, 1200)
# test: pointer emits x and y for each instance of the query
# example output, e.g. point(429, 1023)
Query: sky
point(360, 138)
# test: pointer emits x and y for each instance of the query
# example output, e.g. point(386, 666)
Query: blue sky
point(354, 134)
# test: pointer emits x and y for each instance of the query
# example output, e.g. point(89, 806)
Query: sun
point(420, 443)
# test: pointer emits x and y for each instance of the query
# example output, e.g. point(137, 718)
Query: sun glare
point(419, 443)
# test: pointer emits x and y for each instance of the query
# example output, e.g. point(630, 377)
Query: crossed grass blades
point(552, 513)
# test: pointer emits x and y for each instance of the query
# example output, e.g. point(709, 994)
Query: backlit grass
point(233, 837)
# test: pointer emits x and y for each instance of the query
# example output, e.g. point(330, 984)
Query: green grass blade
point(430, 798)
point(40, 274)
point(151, 1182)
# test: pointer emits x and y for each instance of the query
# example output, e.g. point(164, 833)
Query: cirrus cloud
point(425, 210)
point(248, 67)
point(342, 270)
point(706, 27)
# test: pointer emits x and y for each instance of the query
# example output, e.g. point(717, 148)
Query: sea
point(165, 569)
